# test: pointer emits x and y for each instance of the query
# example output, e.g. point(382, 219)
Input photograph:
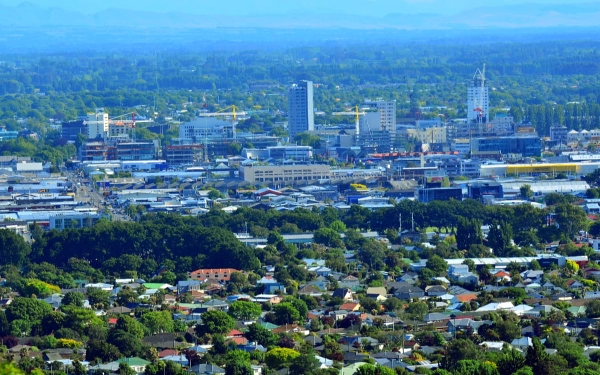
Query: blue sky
point(253, 7)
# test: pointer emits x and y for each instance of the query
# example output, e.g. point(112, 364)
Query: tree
point(13, 248)
point(286, 313)
point(215, 322)
point(499, 237)
point(460, 349)
point(39, 288)
point(526, 192)
point(536, 357)
point(73, 298)
point(27, 309)
point(438, 265)
point(261, 335)
point(468, 232)
point(280, 357)
point(158, 321)
point(328, 237)
point(592, 308)
point(244, 310)
point(98, 297)
point(472, 367)
point(238, 368)
point(570, 219)
point(96, 349)
point(369, 369)
point(417, 309)
point(129, 325)
point(508, 330)
point(304, 364)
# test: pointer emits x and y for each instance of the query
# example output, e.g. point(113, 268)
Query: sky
point(376, 8)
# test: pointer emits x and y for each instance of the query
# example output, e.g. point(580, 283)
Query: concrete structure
point(525, 146)
point(301, 117)
point(73, 219)
point(478, 98)
point(387, 113)
point(97, 125)
point(71, 130)
point(8, 134)
point(559, 134)
point(183, 154)
point(284, 174)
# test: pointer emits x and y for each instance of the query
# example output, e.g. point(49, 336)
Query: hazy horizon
point(374, 8)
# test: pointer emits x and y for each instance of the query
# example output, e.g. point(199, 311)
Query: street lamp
point(454, 323)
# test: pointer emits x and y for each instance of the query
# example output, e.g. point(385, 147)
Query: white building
point(301, 117)
point(387, 115)
point(98, 125)
point(478, 98)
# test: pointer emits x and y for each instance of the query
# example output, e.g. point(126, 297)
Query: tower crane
point(222, 113)
point(356, 115)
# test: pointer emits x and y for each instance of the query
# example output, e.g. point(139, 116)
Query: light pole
point(454, 324)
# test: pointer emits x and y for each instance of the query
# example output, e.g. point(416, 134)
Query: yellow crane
point(356, 115)
point(234, 113)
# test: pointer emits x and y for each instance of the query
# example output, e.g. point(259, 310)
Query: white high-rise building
point(478, 98)
point(301, 116)
point(387, 115)
point(97, 124)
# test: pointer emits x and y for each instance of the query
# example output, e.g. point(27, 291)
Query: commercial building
point(301, 117)
point(73, 219)
point(70, 130)
point(386, 109)
point(559, 134)
point(97, 125)
point(526, 146)
point(8, 134)
point(183, 154)
point(478, 99)
point(278, 175)
point(439, 194)
point(137, 150)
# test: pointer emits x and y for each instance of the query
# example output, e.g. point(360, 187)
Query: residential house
point(135, 363)
point(408, 292)
point(185, 286)
point(522, 343)
point(460, 273)
point(435, 290)
point(465, 324)
point(377, 293)
point(343, 293)
point(219, 274)
point(350, 306)
point(320, 271)
point(206, 369)
point(273, 288)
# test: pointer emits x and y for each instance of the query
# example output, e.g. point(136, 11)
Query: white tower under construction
point(478, 98)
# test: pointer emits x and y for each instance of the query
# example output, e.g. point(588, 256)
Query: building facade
point(284, 174)
point(301, 117)
point(97, 125)
point(478, 99)
point(526, 146)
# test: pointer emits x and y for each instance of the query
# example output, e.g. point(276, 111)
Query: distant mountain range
point(509, 16)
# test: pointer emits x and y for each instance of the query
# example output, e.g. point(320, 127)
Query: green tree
point(73, 298)
point(158, 321)
point(500, 237)
point(304, 364)
point(261, 335)
point(215, 322)
point(458, 350)
point(468, 232)
point(328, 237)
point(13, 248)
point(244, 310)
point(280, 357)
point(286, 313)
point(27, 309)
point(98, 297)
point(369, 369)
point(511, 361)
point(526, 192)
point(238, 368)
point(438, 265)
point(129, 325)
point(537, 358)
point(570, 219)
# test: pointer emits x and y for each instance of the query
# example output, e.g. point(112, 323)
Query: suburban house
point(218, 274)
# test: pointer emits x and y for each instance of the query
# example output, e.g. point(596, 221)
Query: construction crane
point(125, 121)
point(232, 114)
point(356, 115)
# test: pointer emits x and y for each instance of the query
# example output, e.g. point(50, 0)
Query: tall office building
point(301, 116)
point(387, 115)
point(478, 98)
point(97, 124)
